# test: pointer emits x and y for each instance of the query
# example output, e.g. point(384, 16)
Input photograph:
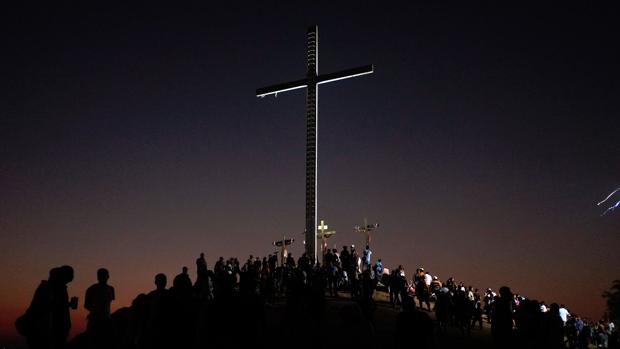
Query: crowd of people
point(515, 321)
point(231, 300)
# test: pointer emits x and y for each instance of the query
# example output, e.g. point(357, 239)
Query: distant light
point(613, 207)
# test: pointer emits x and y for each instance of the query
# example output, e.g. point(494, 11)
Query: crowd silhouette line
point(231, 304)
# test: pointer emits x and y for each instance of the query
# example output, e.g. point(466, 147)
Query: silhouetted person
point(290, 261)
point(553, 328)
point(462, 312)
point(489, 298)
point(204, 282)
point(97, 301)
point(345, 258)
point(378, 269)
point(352, 270)
point(368, 284)
point(367, 255)
point(37, 326)
point(414, 328)
point(443, 308)
point(182, 282)
point(304, 262)
point(128, 325)
point(477, 311)
point(397, 286)
point(331, 270)
point(182, 311)
point(529, 321)
point(502, 319)
point(157, 322)
point(583, 339)
point(422, 289)
point(201, 266)
point(48, 313)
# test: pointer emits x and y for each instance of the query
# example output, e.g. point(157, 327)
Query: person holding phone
point(47, 322)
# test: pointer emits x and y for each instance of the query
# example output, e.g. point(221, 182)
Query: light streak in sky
point(613, 207)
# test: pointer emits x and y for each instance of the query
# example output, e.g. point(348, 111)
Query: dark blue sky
point(132, 136)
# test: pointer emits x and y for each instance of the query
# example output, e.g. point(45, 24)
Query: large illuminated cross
point(311, 82)
point(324, 234)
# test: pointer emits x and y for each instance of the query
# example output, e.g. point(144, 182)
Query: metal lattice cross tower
point(311, 82)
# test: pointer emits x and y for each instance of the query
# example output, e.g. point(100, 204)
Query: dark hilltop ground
point(330, 332)
point(341, 324)
point(384, 316)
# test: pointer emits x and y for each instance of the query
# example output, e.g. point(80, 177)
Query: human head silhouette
point(554, 309)
point(505, 292)
point(103, 275)
point(161, 281)
point(65, 274)
point(54, 274)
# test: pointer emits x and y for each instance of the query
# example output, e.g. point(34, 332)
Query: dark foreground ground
point(331, 333)
point(281, 329)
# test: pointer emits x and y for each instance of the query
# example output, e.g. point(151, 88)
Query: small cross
point(324, 234)
point(282, 245)
point(366, 229)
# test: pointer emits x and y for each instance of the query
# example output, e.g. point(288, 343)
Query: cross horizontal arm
point(287, 86)
point(345, 74)
point(326, 234)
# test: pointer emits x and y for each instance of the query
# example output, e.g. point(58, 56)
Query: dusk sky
point(131, 138)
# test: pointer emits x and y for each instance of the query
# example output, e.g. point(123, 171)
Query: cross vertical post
point(312, 99)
